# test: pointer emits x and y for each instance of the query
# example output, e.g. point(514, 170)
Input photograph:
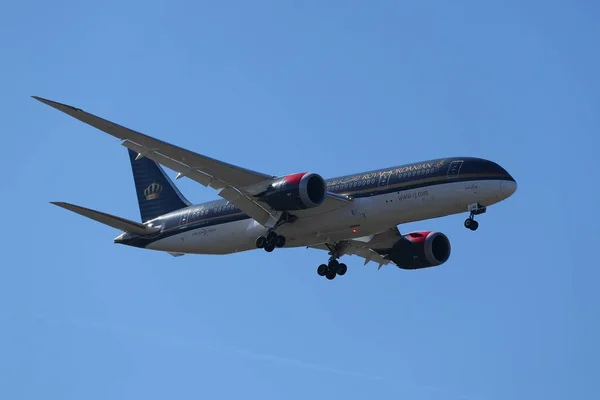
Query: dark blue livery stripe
point(377, 182)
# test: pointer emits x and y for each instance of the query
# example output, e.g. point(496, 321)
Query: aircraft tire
point(269, 247)
point(341, 269)
point(261, 241)
point(330, 275)
point(322, 270)
point(272, 237)
point(280, 241)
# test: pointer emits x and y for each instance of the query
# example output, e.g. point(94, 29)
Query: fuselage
point(381, 198)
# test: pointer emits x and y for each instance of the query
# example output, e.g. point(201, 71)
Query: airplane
point(356, 214)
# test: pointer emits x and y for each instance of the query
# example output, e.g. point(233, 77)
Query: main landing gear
point(474, 209)
point(270, 242)
point(273, 239)
point(332, 269)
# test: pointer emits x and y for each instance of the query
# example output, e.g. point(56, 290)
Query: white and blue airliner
point(356, 214)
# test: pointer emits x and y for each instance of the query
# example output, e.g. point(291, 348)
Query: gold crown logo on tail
point(152, 191)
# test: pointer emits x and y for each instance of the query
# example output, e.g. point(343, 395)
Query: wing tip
point(62, 204)
point(55, 104)
point(43, 100)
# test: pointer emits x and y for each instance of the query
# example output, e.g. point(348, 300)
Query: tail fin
point(156, 193)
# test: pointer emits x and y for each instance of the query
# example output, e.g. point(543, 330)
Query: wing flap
point(354, 249)
point(364, 246)
point(122, 224)
point(234, 196)
point(368, 254)
point(181, 168)
point(248, 206)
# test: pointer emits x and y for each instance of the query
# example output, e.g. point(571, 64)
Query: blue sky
point(335, 87)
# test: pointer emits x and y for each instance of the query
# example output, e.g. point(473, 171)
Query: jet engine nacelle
point(418, 250)
point(295, 192)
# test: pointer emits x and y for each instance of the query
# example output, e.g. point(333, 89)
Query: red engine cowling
point(295, 192)
point(418, 250)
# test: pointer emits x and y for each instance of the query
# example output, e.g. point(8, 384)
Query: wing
point(233, 183)
point(122, 224)
point(371, 248)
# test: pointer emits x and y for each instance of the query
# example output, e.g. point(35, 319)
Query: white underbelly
point(230, 237)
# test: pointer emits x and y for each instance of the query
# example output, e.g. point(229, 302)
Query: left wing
point(233, 183)
point(371, 248)
point(122, 224)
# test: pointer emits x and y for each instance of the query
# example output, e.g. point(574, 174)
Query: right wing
point(235, 184)
point(371, 248)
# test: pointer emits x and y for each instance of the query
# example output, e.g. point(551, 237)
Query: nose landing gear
point(471, 224)
point(474, 209)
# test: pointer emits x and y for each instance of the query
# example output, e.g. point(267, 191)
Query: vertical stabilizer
point(156, 193)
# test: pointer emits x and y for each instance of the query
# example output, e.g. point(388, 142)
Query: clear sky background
point(335, 87)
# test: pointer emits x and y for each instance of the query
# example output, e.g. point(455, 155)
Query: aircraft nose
point(508, 188)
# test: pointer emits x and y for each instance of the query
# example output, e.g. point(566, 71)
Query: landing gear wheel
point(280, 241)
point(322, 270)
point(333, 264)
point(269, 247)
point(474, 209)
point(261, 241)
point(271, 237)
point(471, 224)
point(341, 269)
point(468, 222)
point(330, 275)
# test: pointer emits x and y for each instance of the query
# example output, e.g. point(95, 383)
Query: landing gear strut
point(270, 242)
point(474, 209)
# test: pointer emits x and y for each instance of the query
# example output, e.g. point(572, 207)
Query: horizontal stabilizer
point(122, 224)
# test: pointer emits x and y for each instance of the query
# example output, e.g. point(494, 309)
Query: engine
point(418, 250)
point(295, 192)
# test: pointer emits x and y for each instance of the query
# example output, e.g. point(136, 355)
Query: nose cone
point(508, 188)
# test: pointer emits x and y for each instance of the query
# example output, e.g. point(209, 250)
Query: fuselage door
point(384, 179)
point(183, 220)
point(454, 168)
